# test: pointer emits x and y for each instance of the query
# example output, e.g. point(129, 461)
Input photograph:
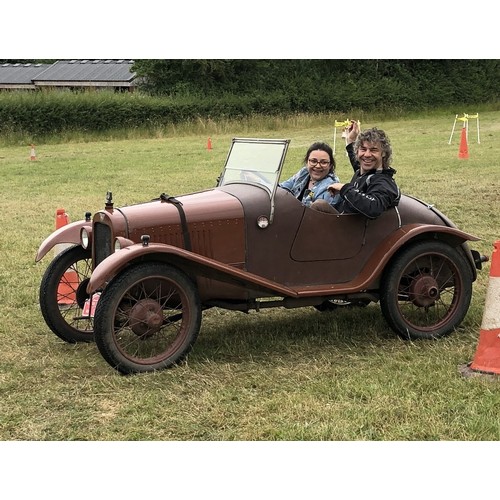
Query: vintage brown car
point(137, 278)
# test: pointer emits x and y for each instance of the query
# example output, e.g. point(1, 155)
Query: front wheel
point(63, 295)
point(426, 292)
point(147, 318)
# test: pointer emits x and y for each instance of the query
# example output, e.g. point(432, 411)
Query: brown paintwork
point(69, 233)
point(303, 253)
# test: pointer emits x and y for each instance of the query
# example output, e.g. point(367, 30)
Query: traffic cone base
point(66, 291)
point(487, 356)
point(463, 151)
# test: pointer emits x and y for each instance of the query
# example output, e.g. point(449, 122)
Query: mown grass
point(278, 375)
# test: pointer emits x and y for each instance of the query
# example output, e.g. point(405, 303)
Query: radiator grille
point(102, 242)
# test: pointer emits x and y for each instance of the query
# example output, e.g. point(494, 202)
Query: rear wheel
point(63, 293)
point(148, 318)
point(426, 292)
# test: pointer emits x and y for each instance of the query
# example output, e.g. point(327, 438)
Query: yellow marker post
point(465, 119)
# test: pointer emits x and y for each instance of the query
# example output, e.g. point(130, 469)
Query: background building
point(75, 74)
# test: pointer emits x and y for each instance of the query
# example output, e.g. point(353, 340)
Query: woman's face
point(318, 164)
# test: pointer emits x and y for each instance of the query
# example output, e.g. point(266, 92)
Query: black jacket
point(369, 194)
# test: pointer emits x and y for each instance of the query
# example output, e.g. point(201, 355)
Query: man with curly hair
point(372, 189)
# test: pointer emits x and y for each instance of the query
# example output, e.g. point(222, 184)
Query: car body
point(146, 272)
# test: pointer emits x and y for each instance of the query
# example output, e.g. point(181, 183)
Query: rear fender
point(191, 263)
point(70, 233)
point(404, 235)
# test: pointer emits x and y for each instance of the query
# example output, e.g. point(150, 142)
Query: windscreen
point(255, 161)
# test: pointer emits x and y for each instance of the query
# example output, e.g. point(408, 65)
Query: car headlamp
point(86, 237)
point(121, 242)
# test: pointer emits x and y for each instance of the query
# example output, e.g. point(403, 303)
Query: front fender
point(70, 233)
point(199, 264)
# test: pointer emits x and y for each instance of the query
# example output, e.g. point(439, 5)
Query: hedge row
point(44, 113)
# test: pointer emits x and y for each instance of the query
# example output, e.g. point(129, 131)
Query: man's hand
point(335, 188)
point(352, 132)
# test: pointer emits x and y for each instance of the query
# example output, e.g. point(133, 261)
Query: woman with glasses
point(311, 182)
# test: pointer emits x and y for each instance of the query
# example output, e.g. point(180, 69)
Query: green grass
point(282, 375)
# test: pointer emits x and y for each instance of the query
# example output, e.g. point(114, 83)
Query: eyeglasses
point(313, 162)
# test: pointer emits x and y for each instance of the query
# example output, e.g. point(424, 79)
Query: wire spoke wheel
point(427, 291)
point(148, 318)
point(63, 294)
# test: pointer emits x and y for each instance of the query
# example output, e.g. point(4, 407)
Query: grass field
point(282, 375)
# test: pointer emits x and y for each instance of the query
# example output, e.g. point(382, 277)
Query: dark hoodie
point(369, 194)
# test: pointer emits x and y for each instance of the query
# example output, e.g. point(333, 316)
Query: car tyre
point(147, 318)
point(62, 299)
point(426, 291)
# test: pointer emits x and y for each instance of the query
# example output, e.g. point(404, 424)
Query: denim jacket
point(297, 184)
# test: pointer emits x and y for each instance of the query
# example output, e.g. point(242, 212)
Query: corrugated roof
point(93, 70)
point(20, 74)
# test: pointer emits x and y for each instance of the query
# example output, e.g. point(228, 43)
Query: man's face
point(370, 156)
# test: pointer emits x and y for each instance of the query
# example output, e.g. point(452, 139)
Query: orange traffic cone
point(33, 153)
point(487, 356)
point(61, 218)
point(463, 151)
point(209, 144)
point(66, 291)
